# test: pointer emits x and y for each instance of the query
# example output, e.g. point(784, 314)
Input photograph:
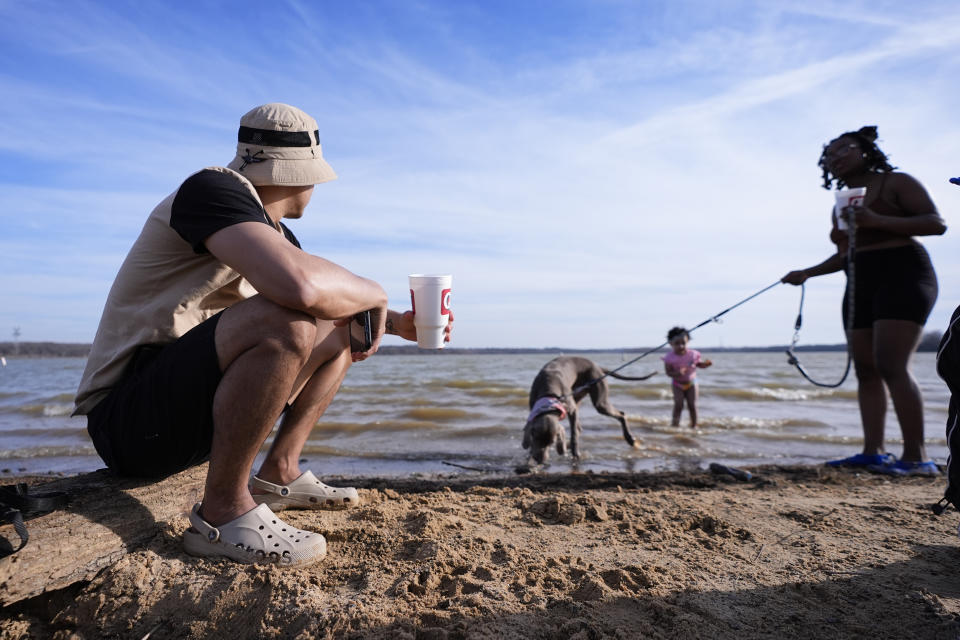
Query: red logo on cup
point(413, 302)
point(445, 302)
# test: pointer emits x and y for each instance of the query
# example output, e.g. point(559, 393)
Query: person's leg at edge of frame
point(871, 394)
point(315, 389)
point(692, 396)
point(895, 343)
point(262, 348)
point(677, 405)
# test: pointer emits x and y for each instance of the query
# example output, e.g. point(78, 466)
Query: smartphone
point(361, 332)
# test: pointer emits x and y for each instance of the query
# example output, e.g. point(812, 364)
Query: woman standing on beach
point(894, 290)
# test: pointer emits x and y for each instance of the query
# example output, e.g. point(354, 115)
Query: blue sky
point(591, 173)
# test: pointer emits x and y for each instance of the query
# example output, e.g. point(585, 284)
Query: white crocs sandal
point(256, 537)
point(306, 492)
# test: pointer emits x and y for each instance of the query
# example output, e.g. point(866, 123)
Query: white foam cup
point(430, 297)
point(848, 198)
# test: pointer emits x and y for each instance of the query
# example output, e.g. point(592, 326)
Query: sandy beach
point(798, 552)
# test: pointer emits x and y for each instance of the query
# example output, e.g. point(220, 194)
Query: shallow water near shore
point(408, 414)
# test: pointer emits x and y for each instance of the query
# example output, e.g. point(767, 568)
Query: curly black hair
point(676, 332)
point(866, 138)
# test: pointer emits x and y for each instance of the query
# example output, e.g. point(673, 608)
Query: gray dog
point(553, 396)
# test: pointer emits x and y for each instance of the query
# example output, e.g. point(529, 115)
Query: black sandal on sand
point(15, 500)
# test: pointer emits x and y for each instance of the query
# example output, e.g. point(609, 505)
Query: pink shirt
point(685, 364)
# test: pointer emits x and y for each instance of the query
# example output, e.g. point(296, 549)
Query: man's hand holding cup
point(430, 297)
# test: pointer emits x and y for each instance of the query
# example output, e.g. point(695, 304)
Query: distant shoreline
point(82, 350)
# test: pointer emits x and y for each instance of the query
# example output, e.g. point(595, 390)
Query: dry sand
point(796, 553)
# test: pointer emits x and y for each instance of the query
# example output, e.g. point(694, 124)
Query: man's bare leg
point(326, 370)
point(262, 348)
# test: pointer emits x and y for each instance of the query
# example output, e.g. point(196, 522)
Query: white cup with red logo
point(848, 198)
point(430, 297)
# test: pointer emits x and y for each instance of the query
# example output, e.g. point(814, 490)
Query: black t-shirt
point(209, 201)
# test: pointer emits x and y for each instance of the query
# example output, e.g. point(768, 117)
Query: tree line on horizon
point(929, 342)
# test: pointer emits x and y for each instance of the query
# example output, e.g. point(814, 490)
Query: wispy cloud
point(910, 41)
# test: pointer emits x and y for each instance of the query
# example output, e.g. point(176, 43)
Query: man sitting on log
point(218, 325)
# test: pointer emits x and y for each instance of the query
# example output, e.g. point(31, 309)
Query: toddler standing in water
point(681, 364)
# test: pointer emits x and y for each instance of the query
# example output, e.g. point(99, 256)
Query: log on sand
point(107, 517)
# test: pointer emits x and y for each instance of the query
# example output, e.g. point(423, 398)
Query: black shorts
point(892, 284)
point(158, 419)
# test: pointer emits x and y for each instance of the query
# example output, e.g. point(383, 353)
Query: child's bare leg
point(691, 396)
point(677, 404)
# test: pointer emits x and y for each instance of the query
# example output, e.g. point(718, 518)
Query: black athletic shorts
point(892, 284)
point(158, 419)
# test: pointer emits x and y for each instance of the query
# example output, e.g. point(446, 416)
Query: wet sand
point(797, 552)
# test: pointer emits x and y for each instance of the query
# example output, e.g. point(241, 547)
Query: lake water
point(406, 414)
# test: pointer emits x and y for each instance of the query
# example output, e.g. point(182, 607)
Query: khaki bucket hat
point(280, 145)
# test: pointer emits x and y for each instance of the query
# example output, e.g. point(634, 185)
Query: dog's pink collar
point(546, 404)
